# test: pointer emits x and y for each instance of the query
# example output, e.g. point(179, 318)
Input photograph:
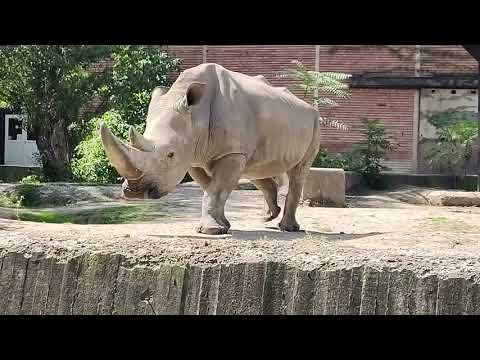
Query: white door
point(19, 150)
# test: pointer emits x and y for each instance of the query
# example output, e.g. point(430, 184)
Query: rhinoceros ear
point(194, 93)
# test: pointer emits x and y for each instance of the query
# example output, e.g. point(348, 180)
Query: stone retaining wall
point(96, 283)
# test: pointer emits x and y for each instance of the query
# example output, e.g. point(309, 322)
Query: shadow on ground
point(374, 201)
point(251, 235)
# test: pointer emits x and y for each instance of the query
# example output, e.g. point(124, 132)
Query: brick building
point(401, 85)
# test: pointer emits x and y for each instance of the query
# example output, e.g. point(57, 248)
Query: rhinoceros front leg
point(269, 189)
point(202, 179)
point(225, 175)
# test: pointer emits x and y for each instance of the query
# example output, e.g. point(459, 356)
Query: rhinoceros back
point(270, 126)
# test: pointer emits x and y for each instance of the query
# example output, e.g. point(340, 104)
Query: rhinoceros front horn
point(138, 141)
point(124, 158)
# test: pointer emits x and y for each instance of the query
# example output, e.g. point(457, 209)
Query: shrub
point(450, 118)
point(31, 179)
point(454, 147)
point(372, 150)
point(324, 160)
point(22, 195)
point(366, 154)
point(90, 163)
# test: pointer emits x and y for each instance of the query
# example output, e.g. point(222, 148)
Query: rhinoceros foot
point(211, 227)
point(291, 227)
point(212, 230)
point(270, 215)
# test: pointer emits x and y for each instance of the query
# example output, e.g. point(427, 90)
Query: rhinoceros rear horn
point(122, 157)
point(138, 141)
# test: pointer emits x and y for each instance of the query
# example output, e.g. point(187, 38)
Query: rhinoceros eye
point(170, 155)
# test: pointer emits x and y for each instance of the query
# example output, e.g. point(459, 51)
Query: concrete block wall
point(325, 187)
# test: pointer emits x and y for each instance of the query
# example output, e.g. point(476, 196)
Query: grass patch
point(24, 195)
point(33, 195)
point(439, 220)
point(446, 224)
point(109, 215)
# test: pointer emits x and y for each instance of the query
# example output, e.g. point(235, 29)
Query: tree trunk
point(54, 151)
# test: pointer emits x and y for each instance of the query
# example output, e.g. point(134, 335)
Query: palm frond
point(324, 102)
point(338, 92)
point(332, 123)
point(330, 76)
point(317, 86)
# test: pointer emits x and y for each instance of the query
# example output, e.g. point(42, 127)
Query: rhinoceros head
point(154, 163)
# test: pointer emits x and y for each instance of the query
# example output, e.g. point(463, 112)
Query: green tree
point(136, 71)
point(50, 85)
point(55, 87)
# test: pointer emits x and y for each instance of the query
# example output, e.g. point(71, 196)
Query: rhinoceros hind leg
point(296, 180)
point(225, 175)
point(289, 222)
point(269, 189)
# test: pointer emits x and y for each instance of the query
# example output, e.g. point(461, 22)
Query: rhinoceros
point(219, 126)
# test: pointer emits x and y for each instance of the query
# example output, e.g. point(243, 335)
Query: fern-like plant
point(317, 88)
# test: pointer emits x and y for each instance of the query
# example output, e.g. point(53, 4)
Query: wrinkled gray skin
point(220, 125)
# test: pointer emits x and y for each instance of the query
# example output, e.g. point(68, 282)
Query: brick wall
point(191, 55)
point(372, 59)
point(395, 107)
point(266, 60)
point(443, 59)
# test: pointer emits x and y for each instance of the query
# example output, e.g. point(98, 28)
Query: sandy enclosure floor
point(371, 224)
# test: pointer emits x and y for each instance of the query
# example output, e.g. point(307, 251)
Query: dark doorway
point(3, 112)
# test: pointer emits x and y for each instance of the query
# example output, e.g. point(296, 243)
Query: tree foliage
point(450, 118)
point(136, 71)
point(50, 84)
point(90, 163)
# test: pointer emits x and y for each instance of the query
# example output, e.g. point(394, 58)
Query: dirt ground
point(374, 226)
